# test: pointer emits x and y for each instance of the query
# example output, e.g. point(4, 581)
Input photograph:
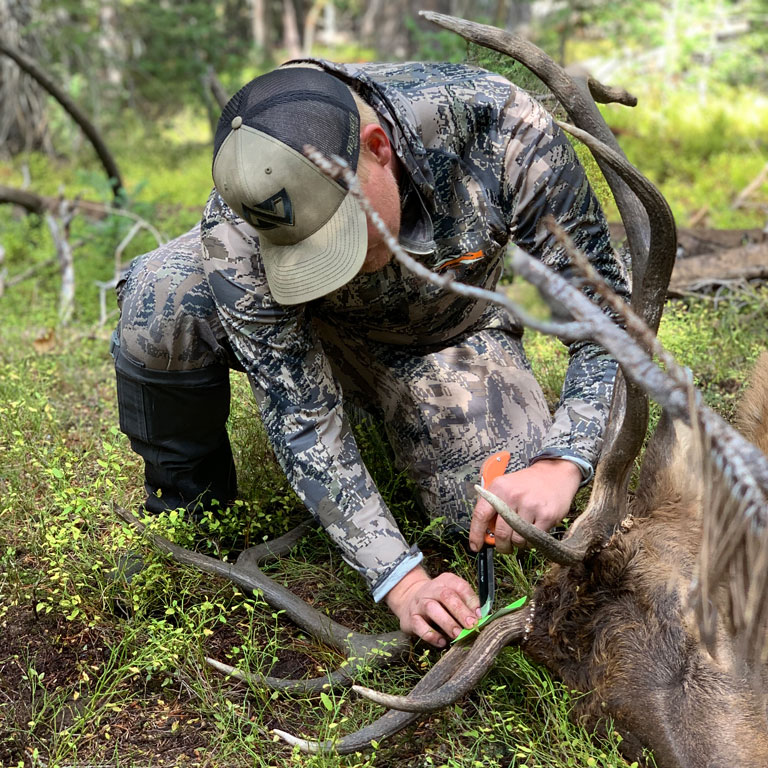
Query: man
point(287, 280)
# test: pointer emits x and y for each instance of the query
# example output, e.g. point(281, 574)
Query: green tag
point(487, 619)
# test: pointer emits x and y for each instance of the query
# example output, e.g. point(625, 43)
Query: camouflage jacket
point(485, 164)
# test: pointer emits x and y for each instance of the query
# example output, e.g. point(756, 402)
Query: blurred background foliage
point(147, 72)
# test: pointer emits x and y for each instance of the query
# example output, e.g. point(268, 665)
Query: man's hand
point(541, 494)
point(447, 601)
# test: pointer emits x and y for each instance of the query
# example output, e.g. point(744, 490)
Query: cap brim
point(320, 263)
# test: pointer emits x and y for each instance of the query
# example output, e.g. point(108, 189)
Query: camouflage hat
point(312, 232)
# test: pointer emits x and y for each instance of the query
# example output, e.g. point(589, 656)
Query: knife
point(494, 466)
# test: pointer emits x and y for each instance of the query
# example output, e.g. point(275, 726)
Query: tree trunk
point(23, 120)
point(291, 41)
point(111, 44)
point(310, 25)
point(258, 24)
point(384, 25)
point(330, 31)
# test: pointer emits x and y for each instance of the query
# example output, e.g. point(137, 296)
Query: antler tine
point(650, 289)
point(575, 93)
point(391, 722)
point(343, 676)
point(360, 649)
point(498, 634)
point(608, 502)
point(549, 547)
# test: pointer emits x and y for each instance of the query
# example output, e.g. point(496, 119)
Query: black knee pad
point(176, 421)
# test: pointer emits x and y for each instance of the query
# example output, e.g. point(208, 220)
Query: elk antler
point(577, 92)
point(498, 634)
point(390, 722)
point(652, 237)
point(362, 650)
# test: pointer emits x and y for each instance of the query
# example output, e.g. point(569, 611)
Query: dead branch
point(751, 188)
point(109, 285)
point(722, 267)
point(34, 70)
point(27, 200)
point(59, 229)
point(699, 216)
point(35, 203)
point(30, 272)
point(216, 88)
point(696, 242)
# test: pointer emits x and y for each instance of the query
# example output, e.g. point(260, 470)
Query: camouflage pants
point(445, 410)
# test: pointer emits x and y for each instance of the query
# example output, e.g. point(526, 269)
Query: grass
point(98, 671)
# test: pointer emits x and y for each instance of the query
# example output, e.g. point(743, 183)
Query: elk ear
point(752, 414)
point(669, 472)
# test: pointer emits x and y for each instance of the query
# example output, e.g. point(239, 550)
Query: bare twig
point(39, 204)
point(751, 188)
point(739, 466)
point(747, 262)
point(30, 272)
point(59, 229)
point(109, 285)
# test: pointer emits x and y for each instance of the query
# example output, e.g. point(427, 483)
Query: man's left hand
point(541, 494)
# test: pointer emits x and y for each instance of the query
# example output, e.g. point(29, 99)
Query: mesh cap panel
point(297, 106)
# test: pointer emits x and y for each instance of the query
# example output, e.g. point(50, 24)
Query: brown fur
point(752, 416)
point(618, 624)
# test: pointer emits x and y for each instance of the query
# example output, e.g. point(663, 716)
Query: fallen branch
point(30, 272)
point(34, 70)
point(722, 267)
point(751, 188)
point(109, 285)
point(214, 85)
point(59, 229)
point(39, 204)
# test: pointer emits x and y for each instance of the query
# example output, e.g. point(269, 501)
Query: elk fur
point(619, 626)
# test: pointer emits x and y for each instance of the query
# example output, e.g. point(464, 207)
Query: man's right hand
point(447, 602)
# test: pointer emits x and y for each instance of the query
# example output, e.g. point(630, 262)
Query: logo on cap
point(272, 212)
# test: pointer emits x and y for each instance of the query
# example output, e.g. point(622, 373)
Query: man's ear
point(373, 138)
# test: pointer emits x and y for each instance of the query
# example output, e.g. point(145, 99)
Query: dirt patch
point(49, 673)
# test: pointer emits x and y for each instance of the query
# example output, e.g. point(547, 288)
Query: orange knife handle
point(494, 466)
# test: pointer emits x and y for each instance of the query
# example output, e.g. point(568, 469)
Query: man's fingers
point(482, 515)
point(458, 606)
point(468, 595)
point(428, 634)
point(439, 616)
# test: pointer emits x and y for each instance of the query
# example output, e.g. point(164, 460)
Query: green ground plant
point(95, 669)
